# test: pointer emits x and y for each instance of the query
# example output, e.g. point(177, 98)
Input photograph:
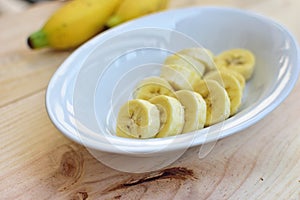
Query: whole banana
point(130, 9)
point(73, 24)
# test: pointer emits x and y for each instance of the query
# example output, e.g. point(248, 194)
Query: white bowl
point(85, 93)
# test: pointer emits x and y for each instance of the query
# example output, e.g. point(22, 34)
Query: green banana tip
point(37, 40)
point(30, 43)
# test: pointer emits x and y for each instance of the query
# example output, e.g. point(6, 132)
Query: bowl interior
point(110, 72)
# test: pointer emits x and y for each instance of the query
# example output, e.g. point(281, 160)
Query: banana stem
point(37, 40)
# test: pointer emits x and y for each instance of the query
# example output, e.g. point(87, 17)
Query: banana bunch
point(79, 20)
point(195, 89)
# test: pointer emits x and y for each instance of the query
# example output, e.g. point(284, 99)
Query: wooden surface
point(12, 6)
point(37, 162)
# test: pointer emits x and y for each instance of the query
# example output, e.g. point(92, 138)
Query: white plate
point(86, 91)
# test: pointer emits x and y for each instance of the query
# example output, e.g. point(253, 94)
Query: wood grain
point(24, 72)
point(37, 162)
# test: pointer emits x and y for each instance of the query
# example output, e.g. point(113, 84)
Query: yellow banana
point(217, 101)
point(237, 75)
point(240, 60)
point(171, 115)
point(130, 9)
point(186, 61)
point(194, 110)
point(179, 77)
point(73, 24)
point(138, 119)
point(204, 56)
point(121, 133)
point(151, 87)
point(231, 85)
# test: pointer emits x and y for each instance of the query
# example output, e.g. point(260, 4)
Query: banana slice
point(151, 87)
point(186, 61)
point(202, 55)
point(171, 115)
point(217, 101)
point(240, 60)
point(232, 87)
point(239, 77)
point(121, 133)
point(138, 119)
point(194, 110)
point(180, 78)
point(236, 74)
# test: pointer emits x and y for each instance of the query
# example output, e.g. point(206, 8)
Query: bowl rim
point(227, 128)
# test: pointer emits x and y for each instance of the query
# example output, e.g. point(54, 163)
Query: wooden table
point(38, 162)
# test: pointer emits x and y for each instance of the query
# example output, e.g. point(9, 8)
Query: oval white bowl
point(86, 91)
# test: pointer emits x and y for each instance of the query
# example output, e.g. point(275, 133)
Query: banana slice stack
point(195, 90)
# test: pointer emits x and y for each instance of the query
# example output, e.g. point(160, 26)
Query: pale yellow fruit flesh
point(194, 110)
point(180, 78)
point(171, 115)
point(217, 101)
point(186, 61)
point(232, 87)
point(240, 60)
point(151, 87)
point(139, 119)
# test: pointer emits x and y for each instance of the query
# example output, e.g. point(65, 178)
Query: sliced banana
point(151, 87)
point(138, 119)
point(180, 78)
point(186, 61)
point(231, 85)
point(182, 99)
point(239, 77)
point(171, 115)
point(201, 54)
point(194, 110)
point(217, 101)
point(121, 133)
point(240, 60)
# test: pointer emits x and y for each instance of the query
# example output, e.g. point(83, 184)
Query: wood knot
point(68, 163)
point(71, 164)
point(81, 196)
point(70, 168)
